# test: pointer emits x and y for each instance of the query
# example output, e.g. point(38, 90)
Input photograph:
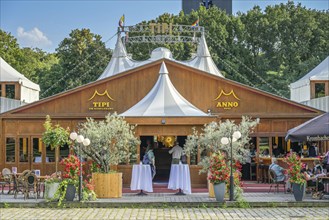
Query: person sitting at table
point(312, 151)
point(276, 152)
point(318, 169)
point(279, 172)
point(177, 152)
point(311, 179)
point(266, 152)
point(325, 161)
point(149, 158)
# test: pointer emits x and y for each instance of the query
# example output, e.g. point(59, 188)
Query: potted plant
point(69, 183)
point(51, 185)
point(55, 137)
point(295, 176)
point(112, 141)
point(218, 175)
point(209, 141)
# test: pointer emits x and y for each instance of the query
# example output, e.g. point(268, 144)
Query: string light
point(244, 65)
point(79, 64)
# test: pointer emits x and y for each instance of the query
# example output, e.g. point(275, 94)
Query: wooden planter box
point(108, 185)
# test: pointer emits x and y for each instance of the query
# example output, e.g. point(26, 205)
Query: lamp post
point(232, 137)
point(85, 141)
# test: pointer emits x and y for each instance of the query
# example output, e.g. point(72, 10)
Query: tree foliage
point(55, 136)
point(210, 140)
point(112, 141)
point(266, 49)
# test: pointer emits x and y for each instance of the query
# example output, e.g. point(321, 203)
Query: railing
point(319, 103)
point(9, 104)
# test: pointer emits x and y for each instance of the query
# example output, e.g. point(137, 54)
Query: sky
point(45, 23)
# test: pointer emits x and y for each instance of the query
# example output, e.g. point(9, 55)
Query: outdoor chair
point(20, 185)
point(275, 182)
point(31, 184)
point(7, 180)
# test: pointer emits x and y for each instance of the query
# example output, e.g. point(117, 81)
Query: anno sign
point(227, 100)
point(101, 101)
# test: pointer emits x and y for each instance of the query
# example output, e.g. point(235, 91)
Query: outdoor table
point(141, 178)
point(180, 179)
point(325, 181)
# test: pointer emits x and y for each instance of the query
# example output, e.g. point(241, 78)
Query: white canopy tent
point(300, 90)
point(121, 62)
point(164, 100)
point(29, 91)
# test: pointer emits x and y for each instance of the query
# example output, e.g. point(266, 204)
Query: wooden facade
point(220, 97)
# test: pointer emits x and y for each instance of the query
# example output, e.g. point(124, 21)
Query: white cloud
point(32, 38)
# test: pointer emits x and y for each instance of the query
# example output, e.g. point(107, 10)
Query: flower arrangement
point(295, 167)
point(71, 167)
point(218, 170)
point(88, 192)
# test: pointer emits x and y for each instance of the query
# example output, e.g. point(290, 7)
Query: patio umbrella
point(316, 129)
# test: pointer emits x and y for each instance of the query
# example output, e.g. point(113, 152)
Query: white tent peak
point(163, 100)
point(121, 62)
point(203, 60)
point(203, 50)
point(120, 50)
point(163, 69)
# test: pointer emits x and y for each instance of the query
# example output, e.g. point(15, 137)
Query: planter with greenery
point(296, 177)
point(112, 141)
point(55, 137)
point(51, 185)
point(209, 141)
point(218, 175)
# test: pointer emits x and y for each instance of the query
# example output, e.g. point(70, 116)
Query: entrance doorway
point(161, 153)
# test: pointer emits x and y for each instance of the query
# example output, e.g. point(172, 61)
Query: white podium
point(141, 178)
point(180, 179)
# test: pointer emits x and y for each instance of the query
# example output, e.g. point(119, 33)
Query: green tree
point(112, 141)
point(9, 48)
point(82, 57)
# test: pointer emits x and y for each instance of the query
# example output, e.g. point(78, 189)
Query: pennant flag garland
point(122, 21)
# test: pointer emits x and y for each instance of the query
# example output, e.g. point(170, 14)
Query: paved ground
point(165, 213)
point(171, 198)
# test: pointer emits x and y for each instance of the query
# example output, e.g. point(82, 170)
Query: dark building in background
point(188, 5)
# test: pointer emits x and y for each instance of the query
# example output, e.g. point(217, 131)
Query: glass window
point(37, 150)
point(23, 149)
point(10, 150)
point(319, 90)
point(50, 154)
point(64, 151)
point(264, 146)
point(10, 91)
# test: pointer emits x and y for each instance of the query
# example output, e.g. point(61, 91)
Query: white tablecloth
point(141, 178)
point(180, 178)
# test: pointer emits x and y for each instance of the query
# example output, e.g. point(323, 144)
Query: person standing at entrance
point(149, 158)
point(177, 152)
